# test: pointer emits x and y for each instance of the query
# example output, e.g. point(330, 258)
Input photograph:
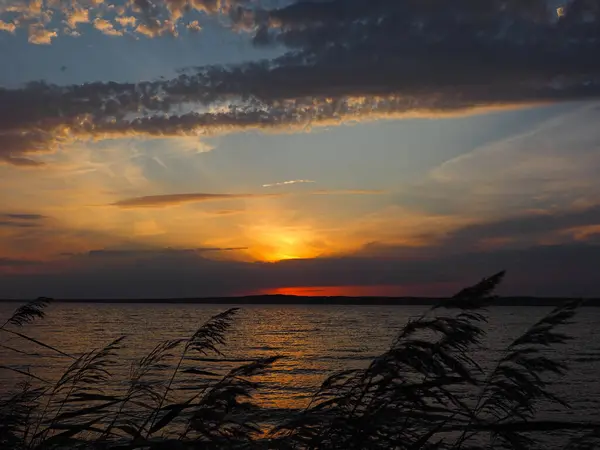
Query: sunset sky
point(188, 148)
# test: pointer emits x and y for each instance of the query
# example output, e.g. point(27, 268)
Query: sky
point(191, 148)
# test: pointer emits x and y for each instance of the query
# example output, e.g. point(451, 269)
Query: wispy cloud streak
point(158, 201)
point(284, 183)
point(165, 200)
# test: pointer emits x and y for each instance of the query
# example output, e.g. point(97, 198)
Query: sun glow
point(277, 244)
point(287, 245)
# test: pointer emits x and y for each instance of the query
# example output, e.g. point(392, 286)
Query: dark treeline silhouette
point(281, 299)
point(413, 396)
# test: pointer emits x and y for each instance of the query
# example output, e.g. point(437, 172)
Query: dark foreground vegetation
point(426, 392)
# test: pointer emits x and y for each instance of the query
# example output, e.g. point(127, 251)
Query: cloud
point(524, 230)
point(39, 35)
point(76, 16)
point(126, 21)
point(301, 23)
point(556, 270)
point(551, 167)
point(24, 216)
point(194, 26)
point(347, 60)
point(150, 252)
point(159, 201)
point(16, 224)
point(12, 220)
point(43, 118)
point(539, 223)
point(106, 27)
point(348, 192)
point(165, 15)
point(284, 183)
point(227, 212)
point(156, 28)
point(429, 236)
point(7, 26)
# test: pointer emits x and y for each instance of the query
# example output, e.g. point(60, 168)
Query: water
point(315, 341)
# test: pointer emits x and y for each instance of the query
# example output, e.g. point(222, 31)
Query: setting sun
point(278, 244)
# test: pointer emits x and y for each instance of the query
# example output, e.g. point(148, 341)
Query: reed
point(427, 391)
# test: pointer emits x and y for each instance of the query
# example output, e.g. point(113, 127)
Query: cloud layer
point(347, 60)
point(547, 254)
point(557, 270)
point(44, 21)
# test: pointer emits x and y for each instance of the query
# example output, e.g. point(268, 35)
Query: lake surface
point(315, 340)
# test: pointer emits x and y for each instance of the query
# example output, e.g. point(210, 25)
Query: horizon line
point(340, 300)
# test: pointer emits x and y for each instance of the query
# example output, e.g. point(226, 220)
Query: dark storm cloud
point(347, 60)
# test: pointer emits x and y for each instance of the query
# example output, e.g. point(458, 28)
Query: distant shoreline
point(310, 300)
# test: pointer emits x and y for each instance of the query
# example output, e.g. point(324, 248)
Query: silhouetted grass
point(425, 392)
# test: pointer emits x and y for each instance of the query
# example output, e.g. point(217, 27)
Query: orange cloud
point(77, 16)
point(106, 27)
point(7, 26)
point(40, 35)
point(158, 201)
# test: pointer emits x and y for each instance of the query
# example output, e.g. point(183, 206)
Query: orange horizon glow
point(420, 290)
